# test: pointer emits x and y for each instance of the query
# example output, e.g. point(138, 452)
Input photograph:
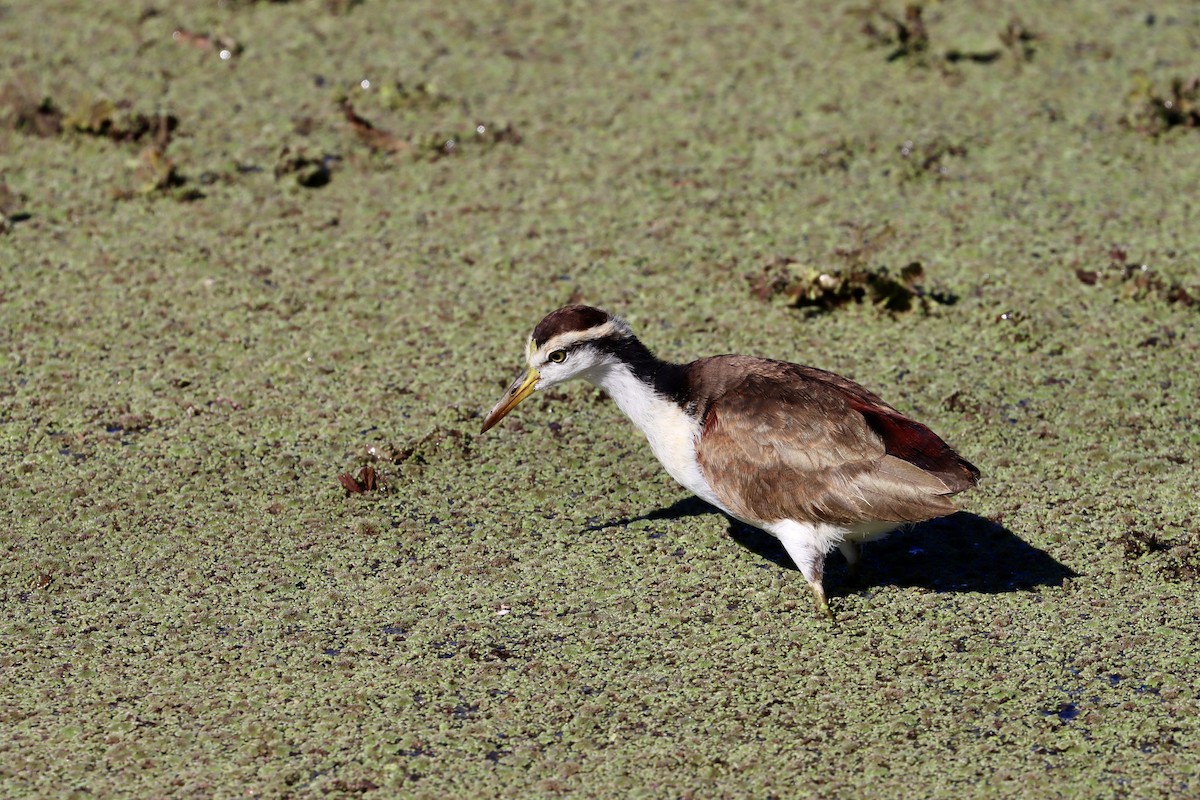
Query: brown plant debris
point(1018, 39)
point(961, 402)
point(907, 36)
point(834, 156)
point(1138, 281)
point(311, 173)
point(367, 481)
point(1176, 559)
point(377, 139)
point(113, 120)
point(825, 290)
point(1153, 112)
point(425, 449)
point(866, 244)
point(1138, 543)
point(156, 172)
point(21, 110)
point(929, 158)
point(955, 55)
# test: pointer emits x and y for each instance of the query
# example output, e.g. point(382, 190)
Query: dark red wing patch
point(911, 441)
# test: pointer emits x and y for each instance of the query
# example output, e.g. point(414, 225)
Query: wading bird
point(808, 456)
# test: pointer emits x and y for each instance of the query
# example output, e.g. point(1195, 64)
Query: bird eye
point(558, 356)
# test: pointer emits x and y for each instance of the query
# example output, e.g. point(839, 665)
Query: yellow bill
point(522, 387)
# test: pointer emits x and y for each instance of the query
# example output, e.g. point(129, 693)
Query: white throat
point(671, 432)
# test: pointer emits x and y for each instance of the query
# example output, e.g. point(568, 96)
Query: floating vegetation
point(23, 110)
point(341, 6)
point(398, 96)
point(929, 158)
point(226, 47)
point(434, 145)
point(1138, 281)
point(934, 156)
point(12, 208)
point(438, 145)
point(834, 156)
point(1153, 112)
point(332, 6)
point(962, 402)
point(9, 201)
point(866, 244)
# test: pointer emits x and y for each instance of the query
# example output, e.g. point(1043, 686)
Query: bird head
point(572, 342)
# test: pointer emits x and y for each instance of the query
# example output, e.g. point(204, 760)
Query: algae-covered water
point(248, 247)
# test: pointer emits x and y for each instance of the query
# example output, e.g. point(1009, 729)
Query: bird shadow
point(963, 552)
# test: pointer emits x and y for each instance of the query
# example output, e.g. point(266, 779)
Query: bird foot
point(822, 603)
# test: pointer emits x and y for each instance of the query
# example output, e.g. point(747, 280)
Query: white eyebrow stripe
point(563, 341)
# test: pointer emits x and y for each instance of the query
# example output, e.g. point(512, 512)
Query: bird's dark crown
point(578, 326)
point(569, 319)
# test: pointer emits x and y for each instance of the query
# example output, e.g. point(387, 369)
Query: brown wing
point(782, 441)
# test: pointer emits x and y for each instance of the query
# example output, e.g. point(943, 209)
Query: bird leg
point(853, 554)
point(818, 590)
point(810, 560)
